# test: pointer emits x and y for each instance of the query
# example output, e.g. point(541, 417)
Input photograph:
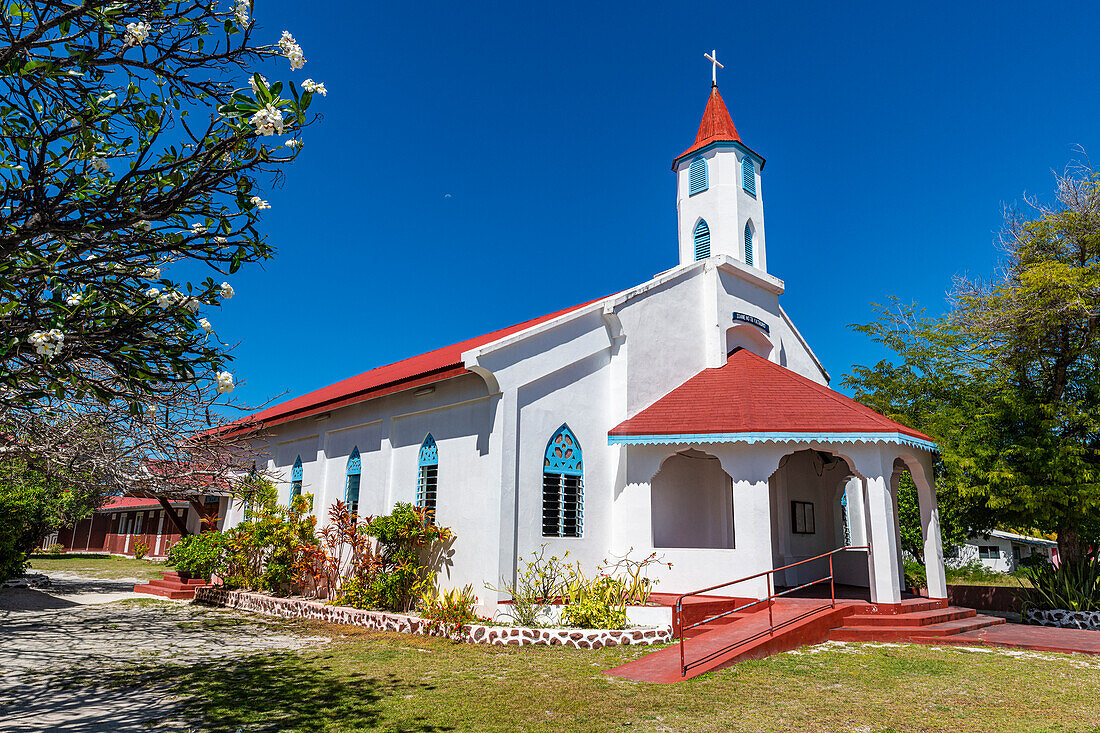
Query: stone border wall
point(383, 621)
point(1064, 619)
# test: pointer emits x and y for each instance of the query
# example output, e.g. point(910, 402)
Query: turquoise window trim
point(563, 486)
point(777, 437)
point(702, 240)
point(429, 452)
point(351, 486)
point(296, 479)
point(748, 244)
point(698, 176)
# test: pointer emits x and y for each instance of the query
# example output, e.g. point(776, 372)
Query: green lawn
point(107, 568)
point(389, 682)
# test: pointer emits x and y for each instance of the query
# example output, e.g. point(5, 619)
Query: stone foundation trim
point(1061, 618)
point(405, 624)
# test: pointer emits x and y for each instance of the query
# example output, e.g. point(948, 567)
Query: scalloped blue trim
point(751, 438)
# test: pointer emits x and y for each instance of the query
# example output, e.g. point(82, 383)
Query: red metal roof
point(134, 502)
point(753, 395)
point(433, 366)
point(716, 125)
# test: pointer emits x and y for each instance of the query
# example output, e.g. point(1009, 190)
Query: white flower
point(252, 83)
point(268, 121)
point(107, 98)
point(227, 291)
point(100, 164)
point(198, 228)
point(225, 382)
point(47, 343)
point(315, 87)
point(206, 325)
point(150, 409)
point(221, 240)
point(152, 293)
point(144, 225)
point(293, 143)
point(292, 51)
point(136, 33)
point(242, 12)
point(259, 203)
point(74, 299)
point(166, 299)
point(191, 303)
point(151, 273)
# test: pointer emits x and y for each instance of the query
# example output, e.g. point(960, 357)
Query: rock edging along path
point(475, 633)
point(1064, 619)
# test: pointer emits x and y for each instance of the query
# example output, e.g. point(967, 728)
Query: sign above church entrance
point(746, 318)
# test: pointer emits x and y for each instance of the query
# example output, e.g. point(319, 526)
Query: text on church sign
point(746, 318)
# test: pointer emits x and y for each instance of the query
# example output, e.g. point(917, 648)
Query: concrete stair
point(171, 585)
point(912, 625)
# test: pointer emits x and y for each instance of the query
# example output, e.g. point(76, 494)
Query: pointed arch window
point(351, 489)
point(296, 479)
point(748, 175)
point(748, 244)
point(698, 176)
point(702, 240)
point(845, 519)
point(427, 476)
point(562, 486)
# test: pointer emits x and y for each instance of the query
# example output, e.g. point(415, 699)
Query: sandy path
point(50, 639)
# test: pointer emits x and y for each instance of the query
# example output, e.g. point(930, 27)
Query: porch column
point(884, 555)
point(930, 529)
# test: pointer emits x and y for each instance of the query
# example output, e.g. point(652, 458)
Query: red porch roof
point(753, 395)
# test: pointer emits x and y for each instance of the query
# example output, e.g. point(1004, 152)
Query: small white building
point(686, 416)
point(1001, 551)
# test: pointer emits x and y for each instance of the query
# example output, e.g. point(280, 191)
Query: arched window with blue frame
point(563, 486)
point(698, 176)
point(351, 490)
point(296, 479)
point(427, 476)
point(748, 175)
point(845, 519)
point(702, 240)
point(748, 244)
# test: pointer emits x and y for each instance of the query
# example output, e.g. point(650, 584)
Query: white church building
point(685, 416)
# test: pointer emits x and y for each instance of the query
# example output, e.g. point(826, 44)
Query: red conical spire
point(716, 125)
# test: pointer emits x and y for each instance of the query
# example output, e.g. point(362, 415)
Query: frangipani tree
point(134, 139)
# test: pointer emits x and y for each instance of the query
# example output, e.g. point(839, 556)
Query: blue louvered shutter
point(698, 177)
point(702, 241)
point(351, 491)
point(427, 476)
point(748, 245)
point(748, 175)
point(563, 486)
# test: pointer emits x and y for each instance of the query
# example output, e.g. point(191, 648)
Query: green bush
point(915, 575)
point(1073, 586)
point(597, 603)
point(265, 552)
point(539, 582)
point(198, 555)
point(405, 567)
point(971, 572)
point(141, 549)
point(450, 610)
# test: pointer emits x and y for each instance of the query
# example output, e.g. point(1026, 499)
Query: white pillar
point(930, 529)
point(884, 576)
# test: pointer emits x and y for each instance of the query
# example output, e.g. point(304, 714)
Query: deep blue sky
point(894, 136)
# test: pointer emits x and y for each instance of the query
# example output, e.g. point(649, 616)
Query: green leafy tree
point(1008, 382)
point(135, 136)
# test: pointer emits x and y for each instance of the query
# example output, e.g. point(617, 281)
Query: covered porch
point(710, 483)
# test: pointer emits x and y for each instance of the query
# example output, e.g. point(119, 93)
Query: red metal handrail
point(772, 626)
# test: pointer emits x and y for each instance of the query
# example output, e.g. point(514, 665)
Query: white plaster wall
point(692, 503)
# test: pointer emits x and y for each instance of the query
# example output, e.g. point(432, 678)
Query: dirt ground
point(82, 625)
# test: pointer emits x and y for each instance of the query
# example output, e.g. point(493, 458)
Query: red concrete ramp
point(748, 636)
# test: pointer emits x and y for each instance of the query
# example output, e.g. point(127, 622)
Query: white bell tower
point(719, 200)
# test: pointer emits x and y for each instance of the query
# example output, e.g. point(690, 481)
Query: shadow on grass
point(271, 692)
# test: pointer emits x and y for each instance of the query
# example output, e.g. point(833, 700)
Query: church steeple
point(718, 194)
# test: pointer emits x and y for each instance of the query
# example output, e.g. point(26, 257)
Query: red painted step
point(171, 585)
point(900, 632)
point(914, 618)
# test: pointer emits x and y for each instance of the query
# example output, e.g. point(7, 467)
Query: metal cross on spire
point(714, 66)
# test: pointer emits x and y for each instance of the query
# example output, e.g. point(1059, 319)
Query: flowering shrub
point(407, 561)
point(141, 549)
point(449, 610)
